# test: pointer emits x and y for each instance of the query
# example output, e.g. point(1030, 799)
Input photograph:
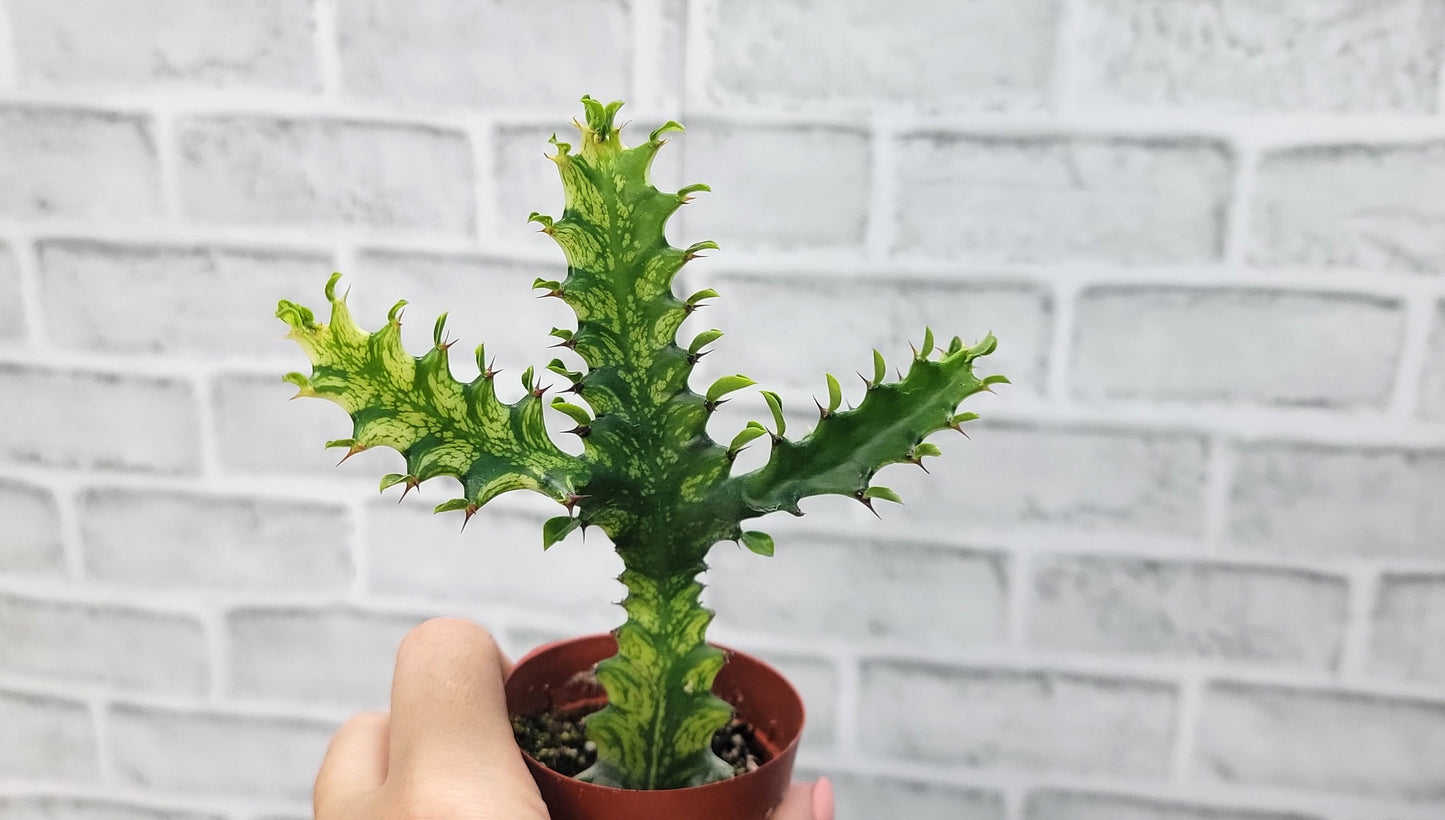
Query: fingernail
point(823, 799)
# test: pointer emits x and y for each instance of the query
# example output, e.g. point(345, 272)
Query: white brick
point(783, 186)
point(265, 44)
point(334, 656)
point(917, 595)
point(325, 173)
point(1060, 805)
point(487, 301)
point(856, 52)
point(817, 682)
point(1127, 606)
point(871, 798)
point(526, 181)
point(196, 752)
point(32, 529)
point(1358, 206)
point(12, 311)
point(1408, 634)
point(213, 541)
point(1036, 722)
point(460, 53)
point(117, 646)
point(86, 165)
point(97, 420)
point(1237, 56)
point(85, 808)
point(497, 560)
point(1038, 478)
point(1315, 500)
point(1432, 387)
point(1236, 346)
point(828, 326)
point(46, 739)
point(1322, 741)
point(1061, 199)
point(172, 299)
point(259, 430)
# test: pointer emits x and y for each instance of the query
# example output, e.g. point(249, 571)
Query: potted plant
point(649, 476)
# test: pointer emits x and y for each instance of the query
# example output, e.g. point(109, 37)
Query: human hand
point(445, 751)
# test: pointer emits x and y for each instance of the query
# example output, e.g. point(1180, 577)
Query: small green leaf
point(555, 529)
point(546, 284)
point(669, 126)
point(560, 333)
point(452, 504)
point(759, 542)
point(562, 147)
point(331, 287)
point(988, 345)
point(697, 247)
point(541, 219)
point(924, 448)
point(835, 393)
point(528, 378)
point(704, 339)
point(963, 417)
point(705, 293)
point(560, 368)
point(728, 384)
point(341, 442)
point(880, 368)
point(883, 493)
point(482, 358)
point(438, 329)
point(572, 411)
point(391, 480)
point(996, 379)
point(694, 188)
point(955, 345)
point(394, 315)
point(927, 343)
point(775, 404)
point(747, 434)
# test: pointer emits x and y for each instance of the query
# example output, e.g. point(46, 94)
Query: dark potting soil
point(560, 742)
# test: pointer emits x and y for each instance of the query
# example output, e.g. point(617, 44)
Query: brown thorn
point(412, 483)
point(355, 448)
point(919, 461)
point(537, 393)
point(867, 502)
point(471, 511)
point(571, 501)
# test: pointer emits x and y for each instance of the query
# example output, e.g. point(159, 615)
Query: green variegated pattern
point(649, 475)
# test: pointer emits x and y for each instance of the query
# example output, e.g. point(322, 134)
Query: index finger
point(448, 709)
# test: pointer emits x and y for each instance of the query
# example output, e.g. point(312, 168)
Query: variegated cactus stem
point(649, 475)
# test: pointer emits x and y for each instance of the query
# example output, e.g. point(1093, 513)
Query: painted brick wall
point(1191, 567)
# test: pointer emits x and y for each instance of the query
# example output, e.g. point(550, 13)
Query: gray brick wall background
point(1191, 567)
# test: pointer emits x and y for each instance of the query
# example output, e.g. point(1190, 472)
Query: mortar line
point(1063, 90)
point(1355, 642)
point(482, 134)
point(209, 435)
point(1235, 228)
point(1218, 483)
point(327, 47)
point(697, 54)
point(1191, 696)
point(1015, 801)
point(9, 55)
point(1020, 591)
point(99, 706)
point(882, 190)
point(850, 696)
point(1414, 351)
point(360, 557)
point(1065, 296)
point(163, 134)
point(27, 266)
point(218, 650)
point(72, 545)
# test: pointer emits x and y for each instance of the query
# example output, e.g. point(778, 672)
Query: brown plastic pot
point(555, 677)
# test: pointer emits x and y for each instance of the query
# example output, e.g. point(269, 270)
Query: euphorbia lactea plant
point(649, 475)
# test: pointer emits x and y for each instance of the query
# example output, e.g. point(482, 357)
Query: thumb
point(807, 801)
